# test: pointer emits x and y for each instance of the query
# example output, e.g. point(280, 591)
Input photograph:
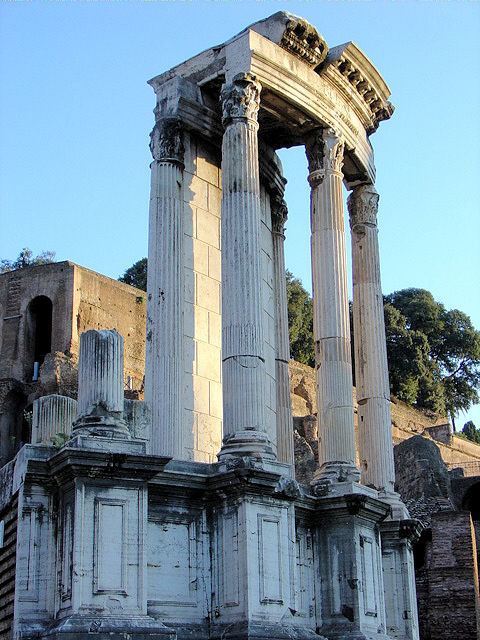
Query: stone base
point(246, 443)
point(105, 443)
point(349, 554)
point(399, 510)
point(78, 627)
point(262, 631)
point(107, 426)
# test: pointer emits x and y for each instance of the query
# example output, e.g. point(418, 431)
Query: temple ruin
point(179, 517)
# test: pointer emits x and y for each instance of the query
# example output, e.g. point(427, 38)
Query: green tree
point(443, 373)
point(26, 259)
point(300, 321)
point(471, 432)
point(136, 275)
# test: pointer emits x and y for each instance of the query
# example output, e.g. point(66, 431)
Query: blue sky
point(75, 114)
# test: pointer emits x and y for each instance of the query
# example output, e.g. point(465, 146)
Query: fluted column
point(100, 385)
point(165, 288)
point(53, 415)
point(331, 325)
point(282, 379)
point(371, 367)
point(244, 376)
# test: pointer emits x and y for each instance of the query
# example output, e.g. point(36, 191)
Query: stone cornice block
point(357, 505)
point(70, 463)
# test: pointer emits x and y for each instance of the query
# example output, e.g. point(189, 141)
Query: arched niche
point(38, 335)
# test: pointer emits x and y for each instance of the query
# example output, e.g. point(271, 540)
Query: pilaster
point(165, 287)
point(331, 325)
point(398, 537)
point(244, 377)
point(282, 379)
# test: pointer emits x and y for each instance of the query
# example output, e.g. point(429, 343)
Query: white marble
point(100, 385)
point(53, 415)
point(244, 377)
point(285, 452)
point(331, 324)
point(165, 287)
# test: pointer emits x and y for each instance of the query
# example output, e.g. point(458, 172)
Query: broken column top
point(305, 85)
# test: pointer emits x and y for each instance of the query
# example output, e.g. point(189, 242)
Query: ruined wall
point(453, 578)
point(407, 421)
point(103, 303)
point(17, 290)
point(203, 332)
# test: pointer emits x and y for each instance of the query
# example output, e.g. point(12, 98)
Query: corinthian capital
point(166, 141)
point(324, 149)
point(241, 98)
point(363, 206)
point(279, 211)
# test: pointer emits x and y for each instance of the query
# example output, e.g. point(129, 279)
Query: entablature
point(304, 86)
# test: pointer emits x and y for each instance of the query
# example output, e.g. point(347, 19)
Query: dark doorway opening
point(39, 333)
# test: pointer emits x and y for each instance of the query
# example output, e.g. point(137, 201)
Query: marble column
point(282, 379)
point(53, 415)
point(100, 385)
point(244, 375)
point(165, 288)
point(371, 367)
point(331, 324)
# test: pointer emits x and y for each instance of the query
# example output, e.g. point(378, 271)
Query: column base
point(77, 627)
point(247, 443)
point(399, 510)
point(263, 631)
point(104, 426)
point(339, 478)
point(105, 443)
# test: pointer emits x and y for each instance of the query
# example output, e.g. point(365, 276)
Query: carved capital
point(363, 206)
point(279, 211)
point(166, 141)
point(324, 149)
point(241, 99)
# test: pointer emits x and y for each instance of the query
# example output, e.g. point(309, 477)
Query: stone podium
point(214, 537)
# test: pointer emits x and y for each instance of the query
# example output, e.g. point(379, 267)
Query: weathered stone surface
point(331, 324)
point(52, 418)
point(421, 472)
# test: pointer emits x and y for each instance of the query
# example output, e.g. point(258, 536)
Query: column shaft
point(164, 352)
point(331, 325)
point(371, 368)
point(100, 385)
point(285, 451)
point(244, 377)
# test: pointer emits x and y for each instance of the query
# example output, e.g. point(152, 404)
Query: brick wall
point(453, 607)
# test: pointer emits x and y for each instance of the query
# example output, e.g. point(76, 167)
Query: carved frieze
point(241, 98)
point(166, 141)
point(303, 41)
point(380, 109)
point(363, 206)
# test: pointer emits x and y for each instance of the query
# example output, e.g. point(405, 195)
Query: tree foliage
point(433, 353)
point(437, 364)
point(471, 432)
point(26, 259)
point(300, 321)
point(136, 275)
